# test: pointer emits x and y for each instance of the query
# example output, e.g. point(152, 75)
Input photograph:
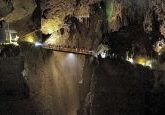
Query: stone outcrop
point(6, 7)
point(20, 15)
point(127, 12)
point(13, 85)
point(120, 88)
point(80, 24)
point(107, 87)
point(91, 18)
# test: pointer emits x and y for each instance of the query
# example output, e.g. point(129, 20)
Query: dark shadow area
point(119, 88)
point(14, 91)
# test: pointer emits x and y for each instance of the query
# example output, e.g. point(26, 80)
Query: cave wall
point(137, 23)
point(149, 14)
point(119, 88)
point(127, 12)
point(82, 25)
point(40, 82)
point(13, 86)
point(53, 79)
point(20, 15)
point(12, 82)
point(52, 84)
point(49, 90)
point(5, 8)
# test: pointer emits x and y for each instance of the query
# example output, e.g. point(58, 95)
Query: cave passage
point(82, 57)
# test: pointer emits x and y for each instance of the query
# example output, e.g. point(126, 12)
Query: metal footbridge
point(81, 51)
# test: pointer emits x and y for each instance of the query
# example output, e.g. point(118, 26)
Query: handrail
point(83, 51)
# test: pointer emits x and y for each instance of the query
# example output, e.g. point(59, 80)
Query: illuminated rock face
point(119, 12)
point(157, 16)
point(85, 30)
point(127, 12)
point(57, 8)
point(21, 9)
point(52, 79)
point(22, 16)
point(62, 8)
point(5, 8)
point(77, 24)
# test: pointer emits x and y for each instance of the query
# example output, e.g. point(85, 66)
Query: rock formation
point(100, 86)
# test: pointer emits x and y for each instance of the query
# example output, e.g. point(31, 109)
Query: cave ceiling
point(119, 12)
point(19, 12)
point(49, 16)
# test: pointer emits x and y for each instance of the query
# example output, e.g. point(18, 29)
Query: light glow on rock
point(159, 46)
point(144, 61)
point(49, 26)
point(53, 39)
point(30, 38)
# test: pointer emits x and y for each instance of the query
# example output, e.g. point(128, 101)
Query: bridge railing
point(69, 49)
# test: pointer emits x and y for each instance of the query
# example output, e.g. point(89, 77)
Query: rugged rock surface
point(61, 8)
point(89, 18)
point(120, 88)
point(119, 13)
point(5, 8)
point(43, 82)
point(106, 87)
point(79, 24)
point(115, 88)
point(53, 81)
point(20, 15)
point(127, 12)
point(89, 27)
point(12, 85)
